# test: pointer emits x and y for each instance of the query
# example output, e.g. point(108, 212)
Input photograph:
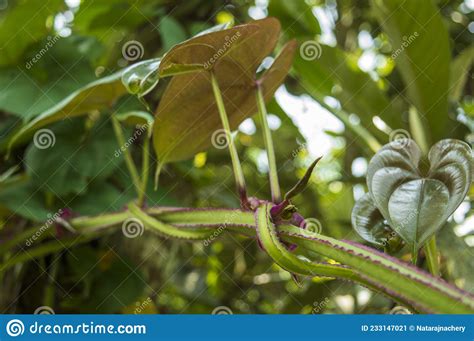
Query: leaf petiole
point(267, 138)
point(238, 173)
point(431, 253)
point(128, 157)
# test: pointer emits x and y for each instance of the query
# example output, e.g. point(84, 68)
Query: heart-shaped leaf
point(416, 203)
point(187, 115)
point(368, 221)
point(417, 209)
point(246, 44)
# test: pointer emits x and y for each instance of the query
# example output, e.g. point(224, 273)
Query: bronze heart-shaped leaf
point(187, 115)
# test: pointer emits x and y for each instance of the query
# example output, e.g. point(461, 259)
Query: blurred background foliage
point(360, 88)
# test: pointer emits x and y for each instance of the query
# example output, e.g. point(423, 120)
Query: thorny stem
point(238, 173)
point(364, 265)
point(128, 157)
point(267, 138)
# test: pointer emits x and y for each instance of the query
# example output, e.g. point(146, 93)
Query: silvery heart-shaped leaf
point(416, 201)
point(452, 163)
point(384, 182)
point(417, 209)
point(368, 221)
point(405, 155)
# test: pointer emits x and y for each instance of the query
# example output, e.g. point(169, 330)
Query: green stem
point(128, 157)
point(145, 168)
point(267, 138)
point(414, 256)
point(431, 253)
point(406, 284)
point(238, 173)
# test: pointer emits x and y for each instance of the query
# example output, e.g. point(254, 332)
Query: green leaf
point(25, 200)
point(460, 72)
point(98, 95)
point(187, 115)
point(75, 157)
point(39, 81)
point(32, 16)
point(416, 30)
point(296, 17)
point(171, 32)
